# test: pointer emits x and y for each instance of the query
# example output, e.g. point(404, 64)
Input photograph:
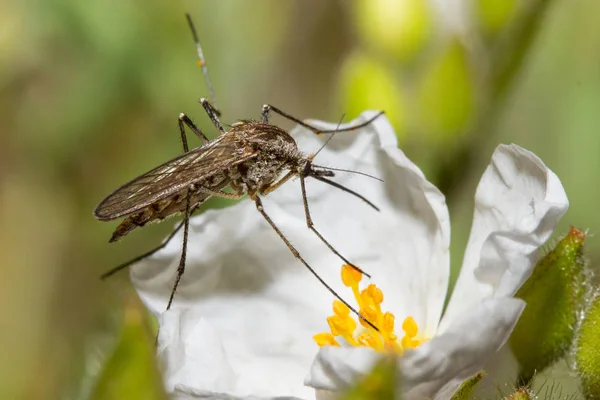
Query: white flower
point(246, 310)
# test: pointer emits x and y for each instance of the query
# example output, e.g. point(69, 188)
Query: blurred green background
point(91, 91)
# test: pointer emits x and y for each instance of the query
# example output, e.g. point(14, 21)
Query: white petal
point(517, 205)
point(336, 368)
point(192, 353)
point(183, 392)
point(198, 354)
point(463, 349)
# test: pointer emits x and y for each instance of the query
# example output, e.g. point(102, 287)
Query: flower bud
point(587, 351)
point(554, 295)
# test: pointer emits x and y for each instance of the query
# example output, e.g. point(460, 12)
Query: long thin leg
point(311, 226)
point(181, 267)
point(222, 194)
point(277, 184)
point(146, 254)
point(183, 119)
point(212, 114)
point(268, 107)
point(296, 254)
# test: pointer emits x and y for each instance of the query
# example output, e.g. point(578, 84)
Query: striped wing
point(173, 176)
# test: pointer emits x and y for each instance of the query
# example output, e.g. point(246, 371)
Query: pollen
point(349, 330)
point(200, 63)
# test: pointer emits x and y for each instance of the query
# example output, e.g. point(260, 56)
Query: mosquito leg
point(267, 108)
point(311, 226)
point(213, 114)
point(183, 119)
point(181, 268)
point(277, 184)
point(222, 194)
point(296, 254)
point(148, 253)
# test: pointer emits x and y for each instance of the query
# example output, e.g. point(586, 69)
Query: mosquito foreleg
point(311, 226)
point(296, 254)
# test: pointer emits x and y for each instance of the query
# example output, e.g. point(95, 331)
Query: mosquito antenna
point(345, 189)
point(202, 63)
point(330, 137)
point(350, 171)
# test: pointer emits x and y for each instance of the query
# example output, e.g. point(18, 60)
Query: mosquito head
point(308, 169)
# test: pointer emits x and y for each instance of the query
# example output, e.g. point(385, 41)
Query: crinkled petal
point(517, 205)
point(262, 304)
point(461, 351)
point(184, 392)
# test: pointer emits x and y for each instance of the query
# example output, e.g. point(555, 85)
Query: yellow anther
point(375, 294)
point(388, 322)
point(341, 326)
point(337, 325)
point(325, 339)
point(350, 276)
point(368, 340)
point(200, 63)
point(409, 326)
point(340, 309)
point(369, 313)
point(408, 343)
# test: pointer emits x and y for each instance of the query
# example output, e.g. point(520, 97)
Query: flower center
point(343, 324)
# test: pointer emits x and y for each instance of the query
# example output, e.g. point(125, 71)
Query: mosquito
point(251, 158)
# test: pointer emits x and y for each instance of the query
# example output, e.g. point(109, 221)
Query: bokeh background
point(91, 91)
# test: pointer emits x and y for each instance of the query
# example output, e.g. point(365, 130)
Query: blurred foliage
point(90, 93)
point(130, 372)
point(380, 384)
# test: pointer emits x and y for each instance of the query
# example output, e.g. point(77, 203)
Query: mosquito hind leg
point(268, 107)
point(184, 119)
point(148, 253)
point(213, 114)
point(311, 226)
point(296, 254)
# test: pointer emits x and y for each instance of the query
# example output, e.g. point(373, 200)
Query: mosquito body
point(251, 158)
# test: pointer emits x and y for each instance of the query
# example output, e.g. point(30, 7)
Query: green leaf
point(130, 372)
point(380, 384)
point(366, 83)
point(398, 28)
point(554, 296)
point(587, 352)
point(467, 388)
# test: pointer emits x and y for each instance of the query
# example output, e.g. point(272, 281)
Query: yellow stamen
point(350, 276)
point(325, 339)
point(409, 326)
point(340, 309)
point(369, 300)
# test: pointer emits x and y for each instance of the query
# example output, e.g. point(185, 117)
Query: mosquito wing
point(173, 176)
